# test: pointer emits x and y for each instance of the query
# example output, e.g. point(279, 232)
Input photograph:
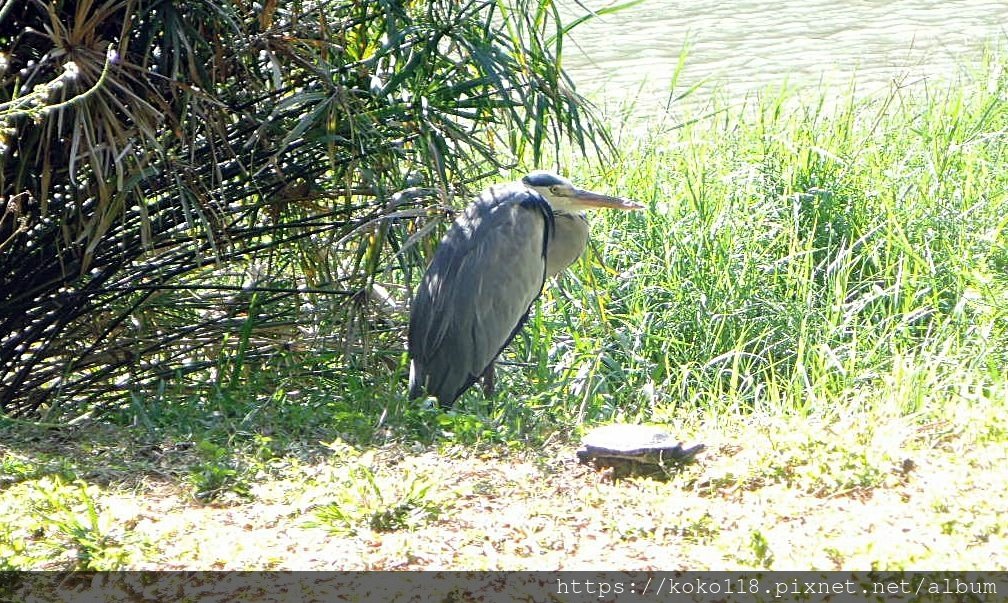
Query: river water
point(743, 46)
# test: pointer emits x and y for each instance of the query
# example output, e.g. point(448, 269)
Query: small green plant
point(217, 474)
point(382, 508)
point(760, 548)
point(14, 470)
point(100, 544)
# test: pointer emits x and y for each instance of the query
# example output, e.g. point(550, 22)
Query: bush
point(207, 190)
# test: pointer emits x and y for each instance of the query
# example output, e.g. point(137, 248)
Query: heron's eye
point(555, 189)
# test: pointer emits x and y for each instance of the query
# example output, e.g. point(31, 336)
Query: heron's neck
point(571, 214)
point(567, 241)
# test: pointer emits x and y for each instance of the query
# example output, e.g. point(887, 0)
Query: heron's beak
point(586, 199)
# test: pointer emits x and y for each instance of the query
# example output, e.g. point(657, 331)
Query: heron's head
point(562, 195)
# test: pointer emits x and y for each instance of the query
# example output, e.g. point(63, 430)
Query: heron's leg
point(488, 380)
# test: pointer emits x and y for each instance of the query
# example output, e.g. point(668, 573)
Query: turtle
point(634, 450)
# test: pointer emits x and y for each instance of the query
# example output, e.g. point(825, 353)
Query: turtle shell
point(641, 443)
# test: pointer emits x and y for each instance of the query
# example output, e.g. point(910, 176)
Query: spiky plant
point(181, 183)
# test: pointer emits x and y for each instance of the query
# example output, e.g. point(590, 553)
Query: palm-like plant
point(170, 175)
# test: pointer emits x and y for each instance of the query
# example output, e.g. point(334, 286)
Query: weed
point(760, 548)
point(388, 507)
point(96, 539)
point(218, 473)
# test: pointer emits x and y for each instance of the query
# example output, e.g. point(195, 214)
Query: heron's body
point(484, 277)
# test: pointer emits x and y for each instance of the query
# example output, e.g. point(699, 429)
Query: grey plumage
point(487, 272)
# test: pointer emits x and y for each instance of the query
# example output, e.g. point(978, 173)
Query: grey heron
point(490, 267)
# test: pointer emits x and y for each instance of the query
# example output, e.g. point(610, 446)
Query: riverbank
point(818, 292)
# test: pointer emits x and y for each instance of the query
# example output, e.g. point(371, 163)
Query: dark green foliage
point(211, 188)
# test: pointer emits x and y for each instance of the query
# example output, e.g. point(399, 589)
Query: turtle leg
point(489, 380)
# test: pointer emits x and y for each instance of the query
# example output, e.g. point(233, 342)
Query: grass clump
point(395, 504)
point(64, 523)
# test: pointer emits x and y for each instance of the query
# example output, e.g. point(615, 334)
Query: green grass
point(799, 257)
point(818, 291)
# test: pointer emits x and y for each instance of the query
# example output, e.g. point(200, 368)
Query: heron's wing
point(477, 291)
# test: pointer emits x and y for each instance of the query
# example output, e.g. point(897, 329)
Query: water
point(743, 46)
